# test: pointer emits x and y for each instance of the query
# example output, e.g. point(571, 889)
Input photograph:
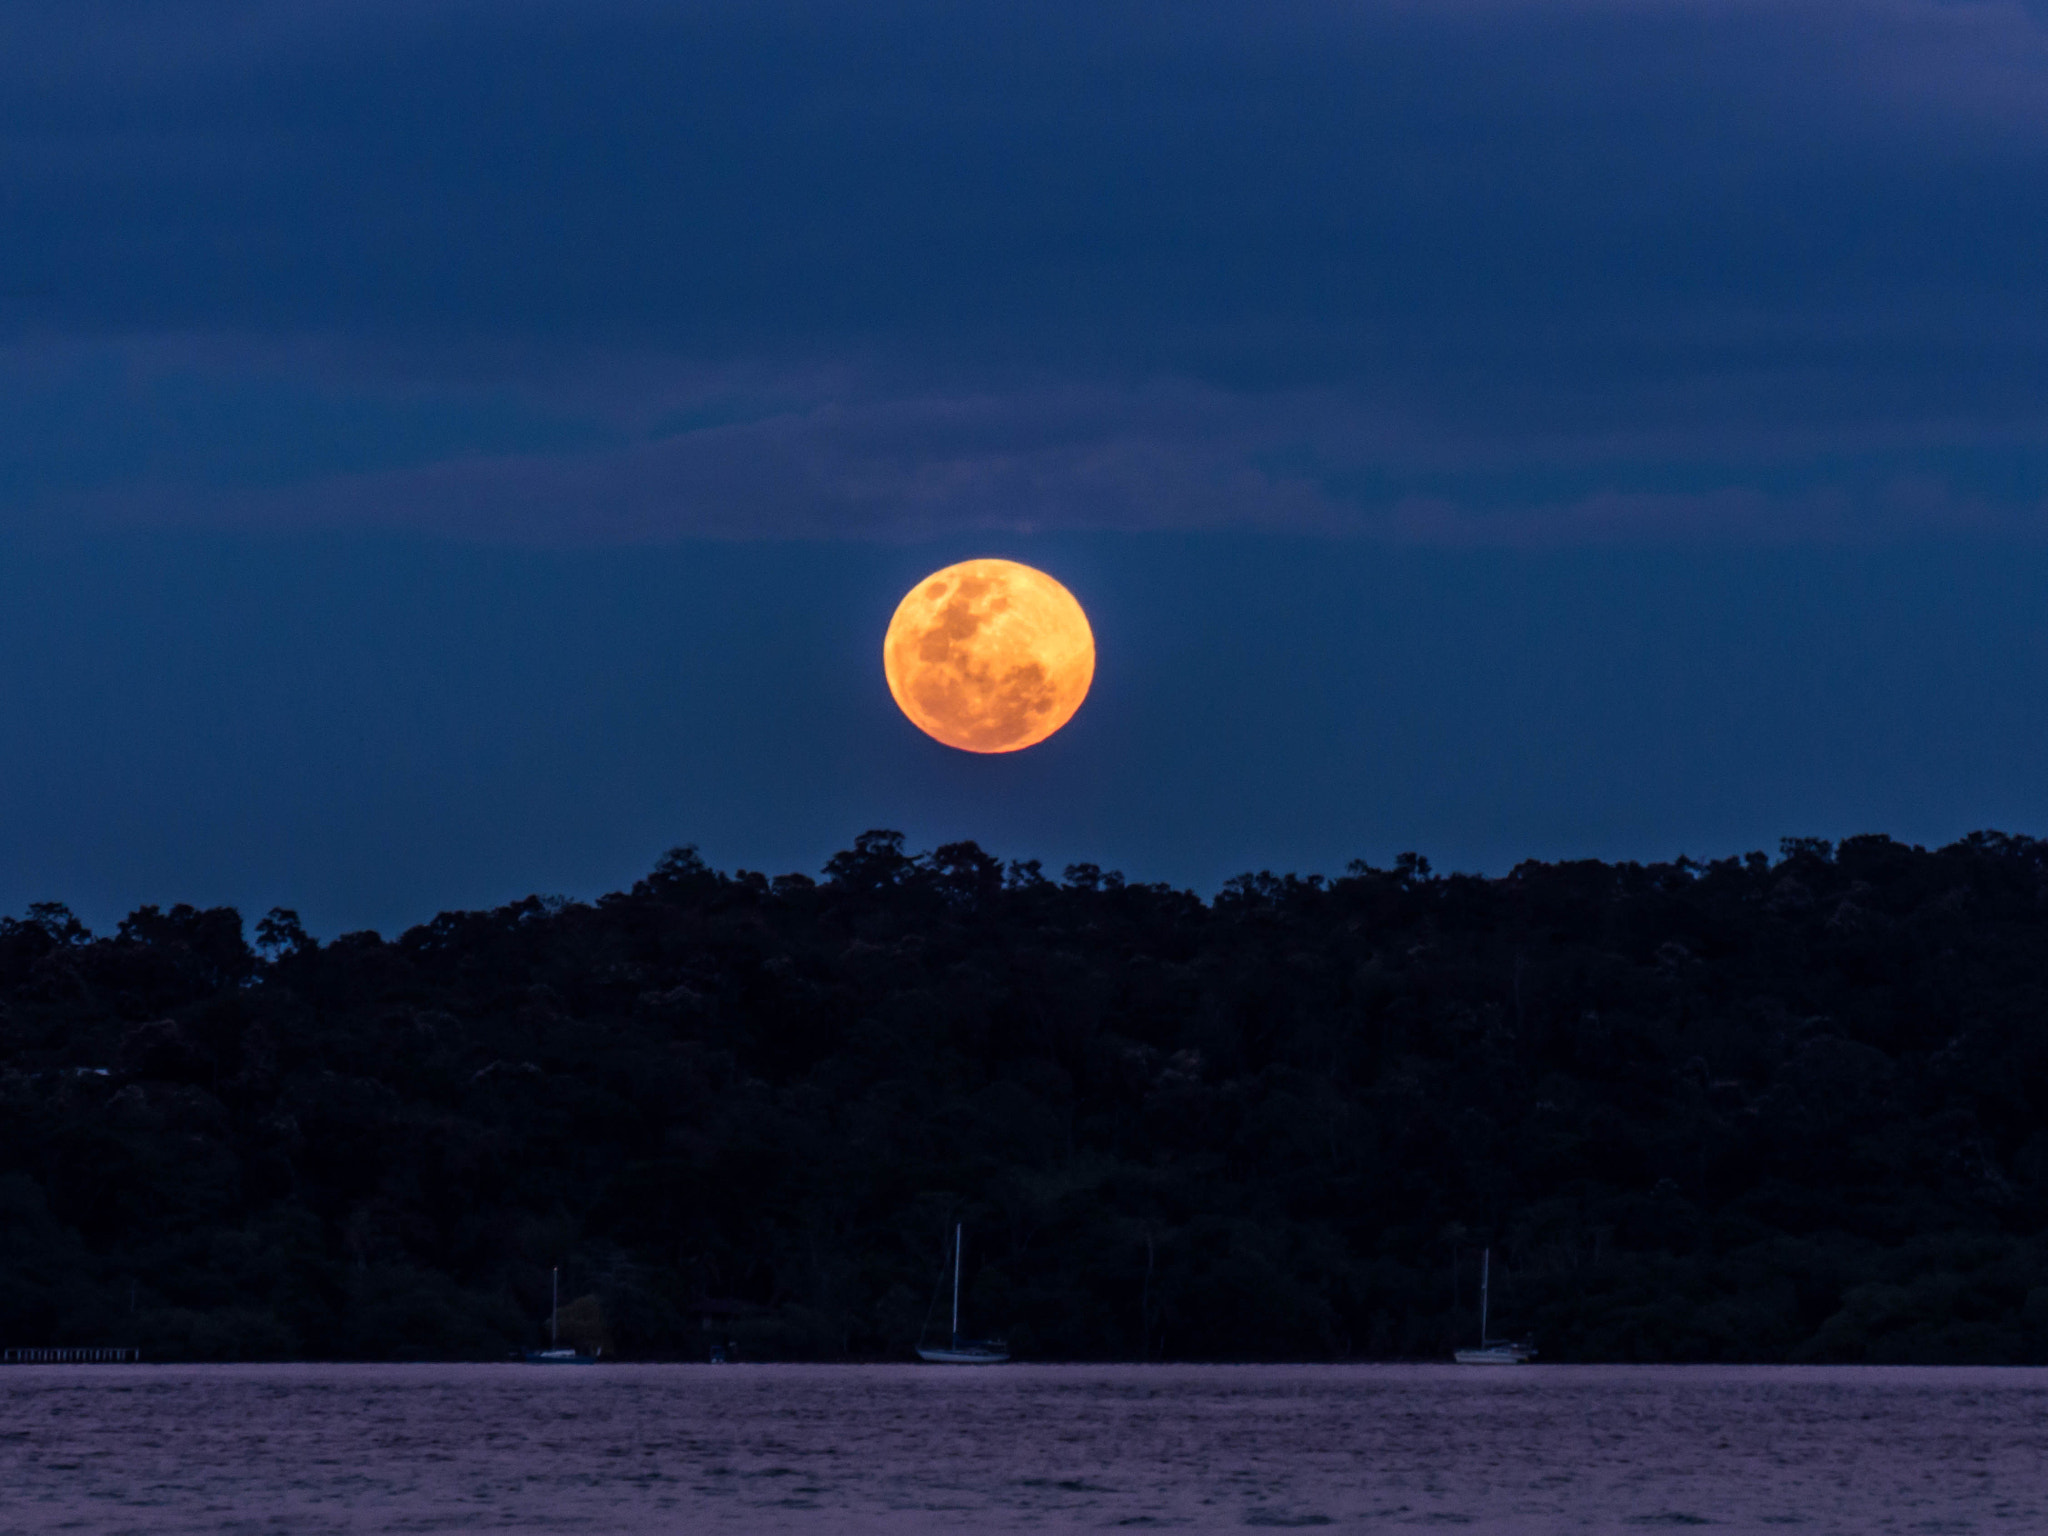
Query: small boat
point(558, 1357)
point(1491, 1351)
point(1494, 1354)
point(966, 1352)
point(555, 1354)
point(963, 1351)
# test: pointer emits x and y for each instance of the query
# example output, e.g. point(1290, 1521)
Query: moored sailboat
point(963, 1351)
point(555, 1354)
point(1491, 1351)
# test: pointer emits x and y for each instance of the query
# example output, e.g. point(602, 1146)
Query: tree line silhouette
point(1752, 1109)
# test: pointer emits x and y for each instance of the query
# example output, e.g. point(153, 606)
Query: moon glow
point(989, 656)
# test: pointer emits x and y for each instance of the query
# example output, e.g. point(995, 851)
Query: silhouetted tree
point(1741, 1109)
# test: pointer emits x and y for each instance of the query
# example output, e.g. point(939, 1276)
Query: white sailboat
point(1491, 1351)
point(963, 1351)
point(555, 1354)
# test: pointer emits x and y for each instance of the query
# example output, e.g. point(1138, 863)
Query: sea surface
point(317, 1448)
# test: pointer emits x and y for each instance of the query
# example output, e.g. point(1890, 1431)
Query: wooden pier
point(69, 1356)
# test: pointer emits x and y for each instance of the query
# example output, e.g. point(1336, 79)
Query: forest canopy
point(1761, 1108)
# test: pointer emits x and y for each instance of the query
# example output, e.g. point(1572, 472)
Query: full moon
point(989, 656)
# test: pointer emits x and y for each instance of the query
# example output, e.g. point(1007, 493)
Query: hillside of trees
point(1759, 1109)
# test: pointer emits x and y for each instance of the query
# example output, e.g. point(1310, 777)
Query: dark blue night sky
point(449, 451)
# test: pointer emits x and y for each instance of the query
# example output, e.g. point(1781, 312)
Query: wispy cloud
point(1490, 271)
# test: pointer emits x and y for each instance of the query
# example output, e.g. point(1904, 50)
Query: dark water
point(104, 1449)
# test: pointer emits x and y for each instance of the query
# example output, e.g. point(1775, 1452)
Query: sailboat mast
point(555, 1305)
point(958, 1229)
point(1485, 1280)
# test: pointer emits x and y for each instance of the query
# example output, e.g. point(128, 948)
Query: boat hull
point(558, 1357)
point(1499, 1354)
point(962, 1356)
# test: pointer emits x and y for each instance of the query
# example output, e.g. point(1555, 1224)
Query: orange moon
point(989, 656)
